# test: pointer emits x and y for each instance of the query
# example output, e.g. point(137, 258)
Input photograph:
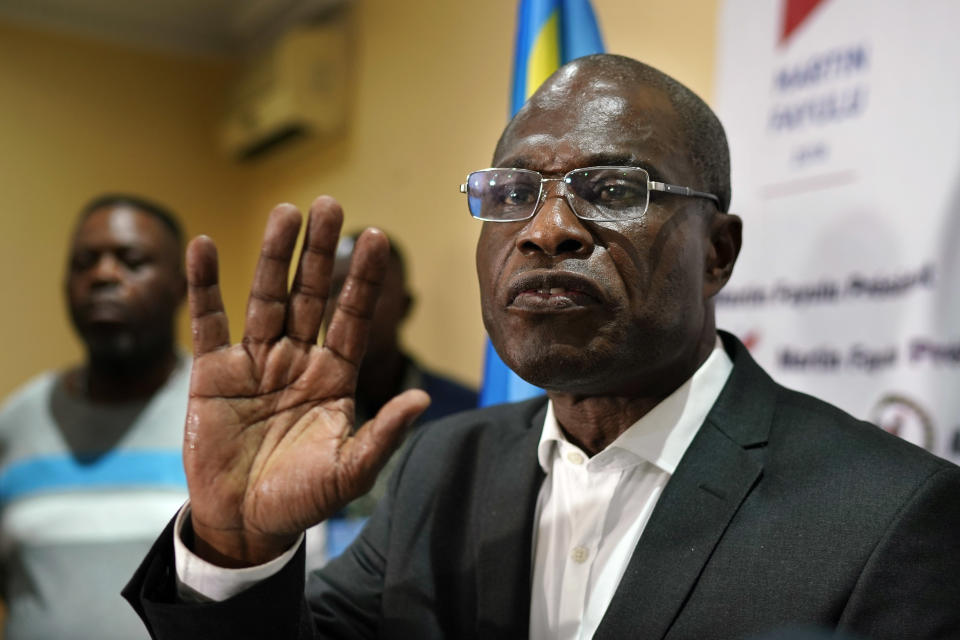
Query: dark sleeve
point(274, 608)
point(342, 599)
point(910, 586)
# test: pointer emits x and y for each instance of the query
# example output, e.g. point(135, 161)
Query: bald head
point(604, 86)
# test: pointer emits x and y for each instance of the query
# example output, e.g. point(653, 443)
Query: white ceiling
point(220, 28)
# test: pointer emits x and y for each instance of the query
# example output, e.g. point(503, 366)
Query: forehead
point(585, 121)
point(122, 225)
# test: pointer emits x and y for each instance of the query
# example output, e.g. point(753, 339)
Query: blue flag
point(549, 33)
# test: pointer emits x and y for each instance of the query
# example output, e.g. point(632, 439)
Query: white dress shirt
point(590, 512)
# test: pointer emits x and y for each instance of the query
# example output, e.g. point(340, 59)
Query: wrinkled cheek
point(487, 274)
point(496, 322)
point(486, 302)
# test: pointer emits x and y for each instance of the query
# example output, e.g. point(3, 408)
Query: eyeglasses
point(593, 193)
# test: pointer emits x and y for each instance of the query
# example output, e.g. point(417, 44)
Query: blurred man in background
point(90, 462)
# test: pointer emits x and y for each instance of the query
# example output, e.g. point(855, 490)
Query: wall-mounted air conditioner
point(298, 87)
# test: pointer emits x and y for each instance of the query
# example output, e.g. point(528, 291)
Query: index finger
point(350, 325)
point(208, 320)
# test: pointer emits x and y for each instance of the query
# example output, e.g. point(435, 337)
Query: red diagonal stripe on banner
point(794, 13)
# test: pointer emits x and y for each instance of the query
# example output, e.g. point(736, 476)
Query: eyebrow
point(597, 160)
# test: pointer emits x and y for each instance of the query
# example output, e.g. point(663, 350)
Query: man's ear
point(723, 247)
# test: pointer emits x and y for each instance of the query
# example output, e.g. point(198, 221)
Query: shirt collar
point(662, 435)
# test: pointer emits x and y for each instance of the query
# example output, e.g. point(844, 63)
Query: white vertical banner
point(844, 124)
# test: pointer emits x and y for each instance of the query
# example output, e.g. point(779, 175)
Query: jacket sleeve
point(274, 608)
point(341, 600)
point(910, 586)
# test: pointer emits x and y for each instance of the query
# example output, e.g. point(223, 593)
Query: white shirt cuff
point(200, 581)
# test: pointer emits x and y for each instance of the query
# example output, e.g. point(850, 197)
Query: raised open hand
point(269, 447)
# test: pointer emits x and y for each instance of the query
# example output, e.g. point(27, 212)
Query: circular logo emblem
point(901, 416)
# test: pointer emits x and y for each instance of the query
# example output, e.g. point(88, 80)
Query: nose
point(107, 269)
point(554, 229)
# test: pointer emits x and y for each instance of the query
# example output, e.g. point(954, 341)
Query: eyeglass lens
point(594, 193)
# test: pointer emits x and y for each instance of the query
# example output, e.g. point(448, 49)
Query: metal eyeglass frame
point(652, 185)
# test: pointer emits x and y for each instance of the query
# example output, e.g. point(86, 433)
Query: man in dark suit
point(668, 488)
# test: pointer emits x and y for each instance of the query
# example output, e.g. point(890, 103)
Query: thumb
point(378, 438)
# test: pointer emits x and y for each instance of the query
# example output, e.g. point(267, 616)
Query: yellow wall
point(431, 86)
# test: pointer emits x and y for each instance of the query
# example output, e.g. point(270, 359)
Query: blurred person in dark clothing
point(387, 370)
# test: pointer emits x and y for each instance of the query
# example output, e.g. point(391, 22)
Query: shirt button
point(575, 457)
point(579, 554)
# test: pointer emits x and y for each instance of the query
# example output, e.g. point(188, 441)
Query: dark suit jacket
point(783, 511)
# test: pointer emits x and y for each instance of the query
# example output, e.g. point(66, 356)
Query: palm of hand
point(269, 446)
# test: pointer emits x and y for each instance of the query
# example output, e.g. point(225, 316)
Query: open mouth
point(549, 291)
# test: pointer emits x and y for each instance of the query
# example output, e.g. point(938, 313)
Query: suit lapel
point(506, 530)
point(716, 473)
